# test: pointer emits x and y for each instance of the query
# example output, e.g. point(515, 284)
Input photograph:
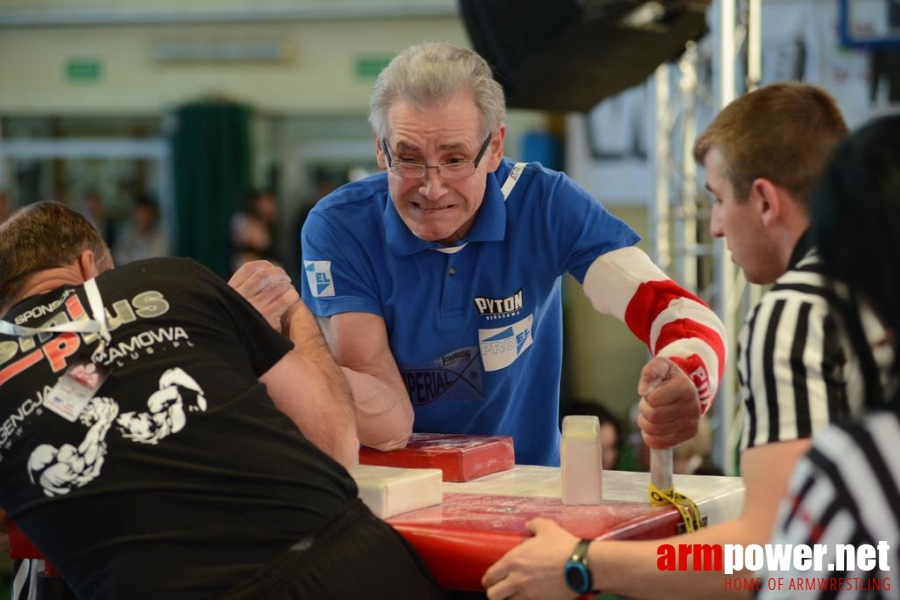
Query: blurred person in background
point(612, 437)
point(94, 210)
point(252, 233)
point(693, 457)
point(141, 237)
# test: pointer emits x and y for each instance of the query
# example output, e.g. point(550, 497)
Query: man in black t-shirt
point(208, 463)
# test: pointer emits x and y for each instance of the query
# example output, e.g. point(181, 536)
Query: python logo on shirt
point(499, 308)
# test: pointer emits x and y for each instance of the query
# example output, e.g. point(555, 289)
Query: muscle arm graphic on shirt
point(60, 470)
point(165, 415)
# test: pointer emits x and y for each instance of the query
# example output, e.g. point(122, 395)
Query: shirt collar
point(490, 223)
point(801, 249)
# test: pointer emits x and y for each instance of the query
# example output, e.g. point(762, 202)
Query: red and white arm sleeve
point(673, 322)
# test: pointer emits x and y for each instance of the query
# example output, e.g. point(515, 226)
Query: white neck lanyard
point(97, 325)
point(506, 189)
point(512, 179)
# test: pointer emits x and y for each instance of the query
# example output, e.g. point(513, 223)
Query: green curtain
point(211, 160)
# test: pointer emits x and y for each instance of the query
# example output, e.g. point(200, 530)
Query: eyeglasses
point(458, 169)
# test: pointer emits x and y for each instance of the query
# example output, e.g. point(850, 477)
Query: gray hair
point(426, 74)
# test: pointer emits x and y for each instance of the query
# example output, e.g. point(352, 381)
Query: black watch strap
point(577, 570)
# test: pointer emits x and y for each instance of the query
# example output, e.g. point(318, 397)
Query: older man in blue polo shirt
point(437, 282)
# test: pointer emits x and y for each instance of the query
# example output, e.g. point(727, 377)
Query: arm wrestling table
point(480, 520)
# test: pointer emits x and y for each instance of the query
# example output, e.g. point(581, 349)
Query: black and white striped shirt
point(846, 490)
point(796, 370)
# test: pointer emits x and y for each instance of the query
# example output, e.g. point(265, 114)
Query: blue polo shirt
point(475, 328)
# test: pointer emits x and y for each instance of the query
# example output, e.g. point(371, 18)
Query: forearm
point(632, 569)
point(360, 344)
point(328, 420)
point(672, 322)
point(384, 414)
point(300, 326)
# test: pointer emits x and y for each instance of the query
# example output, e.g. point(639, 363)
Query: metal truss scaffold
point(685, 96)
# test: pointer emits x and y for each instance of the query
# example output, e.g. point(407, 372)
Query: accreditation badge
point(75, 388)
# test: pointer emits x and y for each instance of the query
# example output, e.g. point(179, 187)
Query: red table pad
point(465, 535)
point(460, 457)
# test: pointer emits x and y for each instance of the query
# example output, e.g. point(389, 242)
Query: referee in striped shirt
point(762, 155)
point(847, 489)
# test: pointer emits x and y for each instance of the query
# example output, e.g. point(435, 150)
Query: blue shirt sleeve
point(580, 224)
point(336, 274)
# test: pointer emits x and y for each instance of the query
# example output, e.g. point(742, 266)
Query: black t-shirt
point(180, 478)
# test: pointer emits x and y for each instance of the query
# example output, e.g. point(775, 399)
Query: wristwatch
point(577, 571)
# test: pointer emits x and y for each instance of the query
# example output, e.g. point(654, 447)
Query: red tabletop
point(479, 521)
point(465, 535)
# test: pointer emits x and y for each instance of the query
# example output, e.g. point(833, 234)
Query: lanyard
point(512, 179)
point(97, 325)
point(506, 189)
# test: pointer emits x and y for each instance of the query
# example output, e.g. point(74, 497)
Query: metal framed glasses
point(457, 169)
